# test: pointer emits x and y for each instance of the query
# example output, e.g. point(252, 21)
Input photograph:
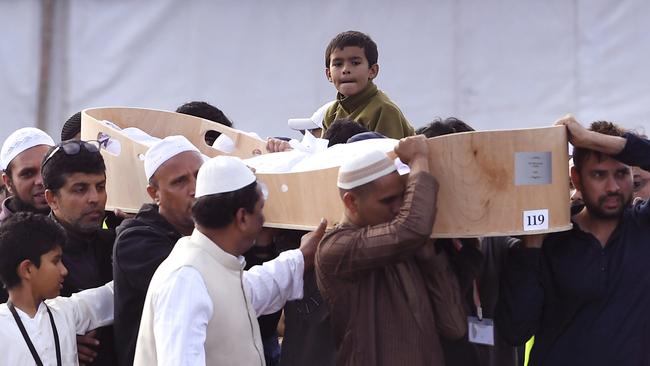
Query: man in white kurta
point(200, 307)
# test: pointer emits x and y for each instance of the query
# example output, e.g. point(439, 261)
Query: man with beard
point(75, 189)
point(21, 156)
point(218, 325)
point(145, 241)
point(585, 293)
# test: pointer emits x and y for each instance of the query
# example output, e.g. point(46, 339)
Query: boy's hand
point(277, 145)
point(414, 151)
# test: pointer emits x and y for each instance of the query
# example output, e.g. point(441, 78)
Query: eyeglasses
point(74, 146)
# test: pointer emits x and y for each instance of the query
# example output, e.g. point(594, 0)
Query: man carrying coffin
point(585, 293)
point(378, 270)
point(143, 242)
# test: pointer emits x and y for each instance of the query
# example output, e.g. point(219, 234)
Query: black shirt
point(585, 304)
point(87, 256)
point(142, 243)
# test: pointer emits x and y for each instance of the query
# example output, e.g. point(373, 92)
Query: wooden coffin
point(125, 179)
point(492, 183)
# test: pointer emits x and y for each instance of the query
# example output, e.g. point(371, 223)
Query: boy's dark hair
point(580, 155)
point(216, 211)
point(71, 127)
point(206, 111)
point(341, 130)
point(353, 38)
point(60, 165)
point(26, 235)
point(439, 127)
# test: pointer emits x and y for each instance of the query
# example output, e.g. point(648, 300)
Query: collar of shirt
point(213, 249)
point(353, 102)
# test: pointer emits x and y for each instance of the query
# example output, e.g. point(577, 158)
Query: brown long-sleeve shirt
point(383, 282)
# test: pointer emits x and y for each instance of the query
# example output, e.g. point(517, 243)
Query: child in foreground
point(36, 325)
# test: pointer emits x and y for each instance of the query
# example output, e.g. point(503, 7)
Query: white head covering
point(315, 121)
point(164, 150)
point(222, 174)
point(364, 169)
point(21, 140)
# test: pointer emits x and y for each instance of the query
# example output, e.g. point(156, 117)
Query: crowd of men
point(173, 284)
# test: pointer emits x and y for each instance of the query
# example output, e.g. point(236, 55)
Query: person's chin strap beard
point(15, 204)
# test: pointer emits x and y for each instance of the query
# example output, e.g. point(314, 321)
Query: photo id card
point(480, 331)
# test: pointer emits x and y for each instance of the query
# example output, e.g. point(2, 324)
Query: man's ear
point(374, 71)
point(51, 199)
point(328, 74)
point(25, 269)
point(575, 178)
point(351, 202)
point(7, 181)
point(152, 191)
point(241, 220)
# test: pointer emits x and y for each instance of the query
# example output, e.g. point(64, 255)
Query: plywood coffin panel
point(492, 183)
point(125, 179)
point(489, 180)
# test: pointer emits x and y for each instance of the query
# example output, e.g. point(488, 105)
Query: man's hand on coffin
point(581, 137)
point(123, 215)
point(85, 345)
point(309, 244)
point(277, 145)
point(265, 237)
point(532, 241)
point(414, 152)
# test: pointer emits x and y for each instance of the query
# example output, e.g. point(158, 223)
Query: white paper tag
point(535, 220)
point(480, 331)
point(532, 168)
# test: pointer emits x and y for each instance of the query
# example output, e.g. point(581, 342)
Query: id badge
point(480, 331)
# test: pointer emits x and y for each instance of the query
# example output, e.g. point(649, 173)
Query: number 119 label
point(535, 220)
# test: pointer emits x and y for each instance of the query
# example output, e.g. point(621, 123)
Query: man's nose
point(93, 195)
point(38, 180)
point(612, 184)
point(192, 186)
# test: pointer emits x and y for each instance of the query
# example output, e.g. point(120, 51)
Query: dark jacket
point(142, 243)
point(87, 256)
point(586, 304)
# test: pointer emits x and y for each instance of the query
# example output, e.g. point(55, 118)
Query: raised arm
point(348, 252)
point(581, 137)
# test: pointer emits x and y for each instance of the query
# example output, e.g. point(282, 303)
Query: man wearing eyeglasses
point(21, 156)
point(75, 189)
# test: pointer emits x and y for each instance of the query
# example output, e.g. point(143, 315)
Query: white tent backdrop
point(494, 63)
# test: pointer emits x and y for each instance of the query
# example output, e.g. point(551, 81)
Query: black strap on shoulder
point(30, 345)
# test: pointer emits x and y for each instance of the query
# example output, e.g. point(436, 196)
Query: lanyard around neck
point(30, 345)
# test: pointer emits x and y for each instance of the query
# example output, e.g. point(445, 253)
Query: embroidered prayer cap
point(364, 169)
point(315, 121)
point(21, 140)
point(164, 150)
point(222, 174)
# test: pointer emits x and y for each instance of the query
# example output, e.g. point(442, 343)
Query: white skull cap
point(164, 150)
point(21, 140)
point(364, 168)
point(223, 174)
point(315, 121)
